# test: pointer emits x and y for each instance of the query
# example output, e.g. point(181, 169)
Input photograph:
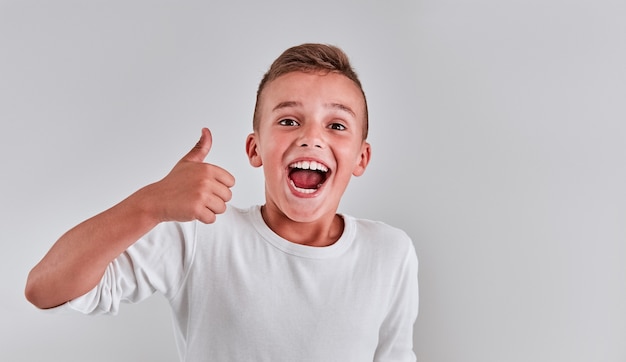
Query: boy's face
point(309, 142)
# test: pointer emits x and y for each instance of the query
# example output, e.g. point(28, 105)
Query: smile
point(307, 176)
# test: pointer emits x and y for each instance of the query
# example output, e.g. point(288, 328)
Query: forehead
point(301, 89)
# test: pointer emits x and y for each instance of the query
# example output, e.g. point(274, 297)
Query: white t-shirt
point(240, 292)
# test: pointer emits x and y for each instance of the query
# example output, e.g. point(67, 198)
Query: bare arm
point(193, 190)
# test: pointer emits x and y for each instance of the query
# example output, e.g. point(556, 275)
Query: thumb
point(199, 152)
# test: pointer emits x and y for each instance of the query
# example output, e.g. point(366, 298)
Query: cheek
point(272, 159)
point(354, 160)
point(352, 153)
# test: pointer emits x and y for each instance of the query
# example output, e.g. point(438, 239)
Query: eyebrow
point(287, 104)
point(343, 107)
point(339, 106)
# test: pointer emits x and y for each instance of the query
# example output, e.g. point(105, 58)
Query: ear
point(252, 150)
point(363, 160)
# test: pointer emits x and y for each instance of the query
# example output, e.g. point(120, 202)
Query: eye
point(337, 126)
point(288, 122)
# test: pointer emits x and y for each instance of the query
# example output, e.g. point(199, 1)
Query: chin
point(305, 211)
point(301, 208)
point(303, 216)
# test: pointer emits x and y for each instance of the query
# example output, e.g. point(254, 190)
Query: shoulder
point(382, 238)
point(240, 214)
point(380, 231)
point(380, 228)
point(233, 224)
point(233, 220)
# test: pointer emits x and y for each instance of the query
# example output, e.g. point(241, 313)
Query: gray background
point(498, 133)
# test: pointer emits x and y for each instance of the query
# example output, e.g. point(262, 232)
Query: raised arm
point(193, 190)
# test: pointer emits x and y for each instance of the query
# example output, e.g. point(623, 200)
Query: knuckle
point(208, 218)
point(220, 208)
point(229, 195)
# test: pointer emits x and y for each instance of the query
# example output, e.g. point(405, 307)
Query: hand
point(193, 190)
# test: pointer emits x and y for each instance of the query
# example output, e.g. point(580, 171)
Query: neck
point(319, 233)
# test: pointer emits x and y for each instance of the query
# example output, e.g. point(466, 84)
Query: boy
point(291, 280)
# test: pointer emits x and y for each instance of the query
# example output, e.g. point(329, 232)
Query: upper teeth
point(309, 165)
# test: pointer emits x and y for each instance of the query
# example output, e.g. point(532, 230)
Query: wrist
point(143, 205)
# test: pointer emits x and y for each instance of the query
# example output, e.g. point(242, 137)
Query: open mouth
point(307, 176)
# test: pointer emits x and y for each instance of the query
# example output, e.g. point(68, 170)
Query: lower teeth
point(304, 191)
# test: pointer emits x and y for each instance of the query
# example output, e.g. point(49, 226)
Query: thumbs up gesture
point(193, 190)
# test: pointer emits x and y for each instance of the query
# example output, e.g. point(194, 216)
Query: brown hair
point(310, 57)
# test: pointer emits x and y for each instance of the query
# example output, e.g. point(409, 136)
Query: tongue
point(306, 179)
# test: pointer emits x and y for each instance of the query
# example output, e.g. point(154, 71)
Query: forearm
point(76, 262)
point(193, 190)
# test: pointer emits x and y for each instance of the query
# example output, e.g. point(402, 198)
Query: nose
point(311, 136)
